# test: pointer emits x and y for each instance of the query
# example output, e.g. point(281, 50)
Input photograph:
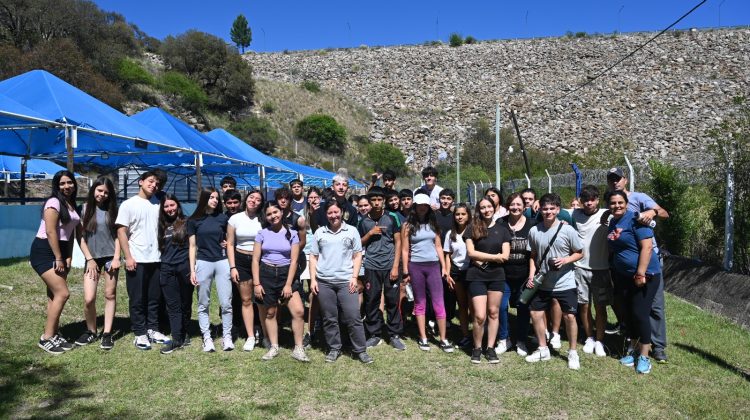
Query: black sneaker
point(186, 341)
point(306, 341)
point(423, 345)
point(107, 341)
point(86, 338)
point(333, 355)
point(62, 342)
point(446, 346)
point(171, 347)
point(365, 358)
point(491, 356)
point(660, 356)
point(50, 347)
point(476, 356)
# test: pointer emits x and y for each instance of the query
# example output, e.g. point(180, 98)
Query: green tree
point(257, 132)
point(384, 156)
point(185, 89)
point(324, 132)
point(241, 33)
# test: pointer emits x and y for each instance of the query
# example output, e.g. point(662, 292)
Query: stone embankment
point(657, 104)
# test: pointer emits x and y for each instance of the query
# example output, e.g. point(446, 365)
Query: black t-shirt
point(517, 266)
point(173, 253)
point(209, 231)
point(444, 221)
point(497, 235)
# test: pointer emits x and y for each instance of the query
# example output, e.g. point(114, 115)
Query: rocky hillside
point(659, 103)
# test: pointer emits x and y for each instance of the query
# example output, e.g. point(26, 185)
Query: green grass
point(708, 375)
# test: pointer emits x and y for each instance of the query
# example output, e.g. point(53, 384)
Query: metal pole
point(458, 170)
point(632, 174)
point(497, 146)
point(69, 147)
point(7, 182)
point(528, 180)
point(520, 142)
point(198, 164)
point(729, 218)
point(23, 180)
point(549, 181)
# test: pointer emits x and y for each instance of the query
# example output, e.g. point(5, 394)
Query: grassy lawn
point(708, 375)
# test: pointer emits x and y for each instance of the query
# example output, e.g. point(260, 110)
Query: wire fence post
point(729, 217)
point(549, 182)
point(631, 173)
point(528, 180)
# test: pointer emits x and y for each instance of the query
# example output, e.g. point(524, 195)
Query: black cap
point(615, 172)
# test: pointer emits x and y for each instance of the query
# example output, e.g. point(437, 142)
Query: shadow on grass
point(120, 327)
point(25, 379)
point(715, 360)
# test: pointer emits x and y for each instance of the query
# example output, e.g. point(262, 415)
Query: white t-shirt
point(141, 217)
point(245, 230)
point(594, 237)
point(457, 249)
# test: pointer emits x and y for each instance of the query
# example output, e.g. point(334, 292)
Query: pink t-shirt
point(64, 232)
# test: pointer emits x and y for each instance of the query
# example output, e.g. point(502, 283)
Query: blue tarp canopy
point(104, 135)
point(13, 114)
point(35, 168)
point(247, 151)
point(315, 176)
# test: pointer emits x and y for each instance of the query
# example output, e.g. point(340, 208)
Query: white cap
point(422, 199)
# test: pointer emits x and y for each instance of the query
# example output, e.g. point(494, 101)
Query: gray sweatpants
point(331, 298)
point(659, 320)
point(207, 272)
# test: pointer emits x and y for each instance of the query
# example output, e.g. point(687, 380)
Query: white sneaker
point(502, 347)
point(142, 343)
point(249, 344)
point(599, 349)
point(588, 346)
point(555, 341)
point(521, 349)
point(573, 361)
point(227, 344)
point(208, 345)
point(272, 352)
point(157, 337)
point(540, 354)
point(299, 354)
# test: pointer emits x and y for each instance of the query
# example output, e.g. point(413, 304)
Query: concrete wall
point(710, 288)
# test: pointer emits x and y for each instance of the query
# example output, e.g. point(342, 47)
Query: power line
point(630, 54)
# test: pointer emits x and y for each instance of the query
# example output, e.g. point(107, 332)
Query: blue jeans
point(504, 332)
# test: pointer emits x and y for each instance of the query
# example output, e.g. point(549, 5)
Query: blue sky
point(298, 25)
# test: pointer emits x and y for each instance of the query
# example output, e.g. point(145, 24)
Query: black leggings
point(638, 302)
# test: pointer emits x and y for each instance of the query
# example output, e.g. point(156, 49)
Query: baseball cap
point(421, 199)
point(615, 173)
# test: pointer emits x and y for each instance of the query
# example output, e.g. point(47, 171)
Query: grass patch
point(707, 375)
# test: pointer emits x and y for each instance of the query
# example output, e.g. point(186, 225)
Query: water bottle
point(409, 293)
point(651, 224)
point(527, 293)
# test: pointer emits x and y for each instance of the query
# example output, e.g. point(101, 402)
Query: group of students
point(363, 258)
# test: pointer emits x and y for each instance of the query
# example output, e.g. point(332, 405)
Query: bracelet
point(232, 268)
point(90, 259)
point(405, 274)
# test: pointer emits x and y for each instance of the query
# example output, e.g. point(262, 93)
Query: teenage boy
point(340, 187)
point(444, 219)
point(232, 202)
point(388, 177)
point(298, 196)
point(643, 204)
point(228, 183)
point(592, 271)
point(137, 230)
point(382, 242)
point(393, 204)
point(560, 246)
point(406, 200)
point(528, 195)
point(430, 187)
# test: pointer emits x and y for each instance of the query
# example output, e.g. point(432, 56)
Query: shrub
point(581, 35)
point(310, 86)
point(269, 107)
point(322, 131)
point(130, 72)
point(470, 40)
point(257, 132)
point(384, 156)
point(190, 93)
point(455, 40)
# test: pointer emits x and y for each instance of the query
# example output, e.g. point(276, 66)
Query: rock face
point(662, 100)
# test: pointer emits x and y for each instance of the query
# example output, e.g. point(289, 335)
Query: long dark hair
point(64, 201)
point(455, 225)
point(200, 210)
point(499, 197)
point(179, 225)
point(262, 200)
point(110, 205)
point(284, 223)
point(415, 224)
point(479, 225)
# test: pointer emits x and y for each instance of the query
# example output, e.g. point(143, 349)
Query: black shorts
point(244, 265)
point(568, 300)
point(273, 280)
point(41, 257)
point(480, 288)
point(102, 261)
point(458, 276)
